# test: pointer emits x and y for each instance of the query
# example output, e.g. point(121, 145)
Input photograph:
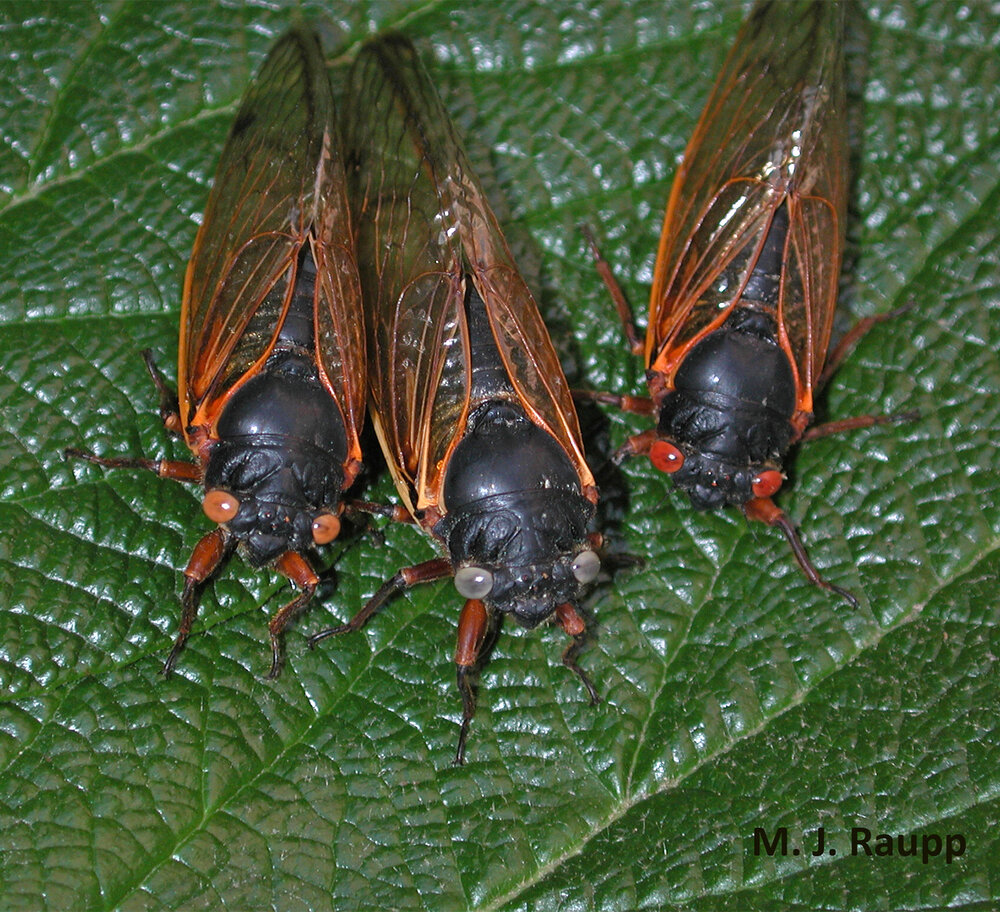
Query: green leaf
point(736, 695)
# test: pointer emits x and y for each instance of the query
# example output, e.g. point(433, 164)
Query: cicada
point(469, 401)
point(746, 276)
point(271, 374)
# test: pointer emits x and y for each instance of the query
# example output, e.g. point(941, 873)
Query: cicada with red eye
point(745, 283)
point(271, 373)
point(468, 398)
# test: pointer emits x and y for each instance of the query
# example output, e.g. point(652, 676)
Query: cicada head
point(516, 522)
point(523, 554)
point(725, 427)
point(711, 480)
point(274, 476)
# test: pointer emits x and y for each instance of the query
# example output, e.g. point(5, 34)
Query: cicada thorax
point(725, 416)
point(280, 442)
point(514, 514)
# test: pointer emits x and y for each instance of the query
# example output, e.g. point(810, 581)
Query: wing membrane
point(773, 131)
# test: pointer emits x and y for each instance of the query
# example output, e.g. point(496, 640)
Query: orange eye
point(326, 527)
point(767, 483)
point(666, 457)
point(220, 506)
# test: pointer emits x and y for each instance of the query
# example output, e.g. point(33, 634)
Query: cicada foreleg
point(297, 569)
point(767, 511)
point(637, 445)
point(206, 558)
point(574, 625)
point(434, 569)
point(473, 627)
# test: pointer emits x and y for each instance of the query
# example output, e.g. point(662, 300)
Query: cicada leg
point(394, 512)
point(767, 511)
point(169, 406)
point(169, 414)
point(858, 421)
point(852, 337)
point(165, 468)
point(473, 626)
point(637, 405)
point(208, 554)
point(575, 627)
point(844, 346)
point(637, 445)
point(635, 344)
point(297, 569)
point(640, 405)
point(434, 569)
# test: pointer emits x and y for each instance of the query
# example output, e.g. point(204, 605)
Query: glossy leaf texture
point(736, 695)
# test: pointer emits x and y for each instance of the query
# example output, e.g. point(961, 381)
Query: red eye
point(767, 483)
point(666, 457)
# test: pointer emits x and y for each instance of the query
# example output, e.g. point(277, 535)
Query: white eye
point(586, 566)
point(473, 582)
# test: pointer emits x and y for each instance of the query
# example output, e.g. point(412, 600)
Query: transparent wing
point(773, 131)
point(340, 330)
point(425, 230)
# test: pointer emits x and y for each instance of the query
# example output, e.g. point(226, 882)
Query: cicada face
point(515, 521)
point(530, 593)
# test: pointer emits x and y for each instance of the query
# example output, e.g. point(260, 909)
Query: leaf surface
point(735, 695)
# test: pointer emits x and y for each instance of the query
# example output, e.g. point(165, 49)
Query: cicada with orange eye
point(271, 373)
point(468, 398)
point(745, 283)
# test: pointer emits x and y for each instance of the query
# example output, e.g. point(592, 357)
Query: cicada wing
point(340, 331)
point(526, 348)
point(773, 131)
point(426, 228)
point(809, 289)
point(418, 376)
point(262, 204)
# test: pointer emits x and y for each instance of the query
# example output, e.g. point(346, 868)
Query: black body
point(281, 440)
point(734, 393)
point(511, 495)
